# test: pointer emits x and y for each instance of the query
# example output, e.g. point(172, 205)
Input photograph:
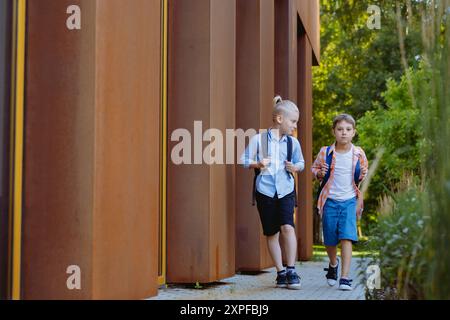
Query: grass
point(359, 250)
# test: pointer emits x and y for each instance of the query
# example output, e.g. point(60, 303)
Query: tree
point(356, 63)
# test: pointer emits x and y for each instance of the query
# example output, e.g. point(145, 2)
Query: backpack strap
point(265, 144)
point(357, 171)
point(289, 148)
point(289, 158)
point(265, 154)
point(329, 160)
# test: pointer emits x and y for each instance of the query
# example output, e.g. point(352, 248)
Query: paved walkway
point(261, 287)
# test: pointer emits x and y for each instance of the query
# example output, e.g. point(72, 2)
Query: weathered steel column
point(201, 197)
point(254, 94)
point(5, 119)
point(286, 49)
point(305, 203)
point(91, 176)
point(286, 61)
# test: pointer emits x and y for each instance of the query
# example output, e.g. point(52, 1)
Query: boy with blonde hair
point(276, 156)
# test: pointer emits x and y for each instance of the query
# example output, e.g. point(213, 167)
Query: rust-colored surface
point(309, 12)
point(92, 135)
point(305, 127)
point(286, 60)
point(286, 49)
point(127, 138)
point(91, 178)
point(59, 151)
point(200, 198)
point(254, 94)
point(5, 116)
point(293, 80)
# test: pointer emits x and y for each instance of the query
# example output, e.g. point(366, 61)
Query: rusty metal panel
point(293, 81)
point(309, 12)
point(200, 198)
point(91, 186)
point(59, 151)
point(254, 94)
point(305, 192)
point(222, 117)
point(286, 49)
point(127, 156)
point(5, 116)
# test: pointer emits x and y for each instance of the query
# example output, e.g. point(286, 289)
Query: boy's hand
point(264, 164)
point(290, 167)
point(323, 171)
point(364, 172)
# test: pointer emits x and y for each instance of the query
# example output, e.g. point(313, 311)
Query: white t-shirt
point(342, 187)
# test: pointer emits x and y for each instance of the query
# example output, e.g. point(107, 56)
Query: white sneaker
point(345, 284)
point(332, 274)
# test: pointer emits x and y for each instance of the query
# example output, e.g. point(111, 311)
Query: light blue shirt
point(274, 179)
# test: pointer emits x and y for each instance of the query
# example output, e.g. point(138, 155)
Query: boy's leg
point(286, 222)
point(273, 244)
point(329, 224)
point(347, 234)
point(267, 208)
point(290, 243)
point(346, 254)
point(332, 254)
point(286, 215)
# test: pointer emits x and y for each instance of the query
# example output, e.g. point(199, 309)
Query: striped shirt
point(358, 154)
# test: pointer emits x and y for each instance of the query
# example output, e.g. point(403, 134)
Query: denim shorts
point(275, 212)
point(339, 221)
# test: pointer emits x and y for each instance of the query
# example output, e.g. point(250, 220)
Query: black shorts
point(275, 212)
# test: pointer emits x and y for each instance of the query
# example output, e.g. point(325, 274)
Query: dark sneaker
point(293, 280)
point(282, 281)
point(332, 274)
point(345, 284)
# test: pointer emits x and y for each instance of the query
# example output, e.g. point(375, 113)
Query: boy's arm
point(248, 158)
point(297, 157)
point(364, 165)
point(317, 165)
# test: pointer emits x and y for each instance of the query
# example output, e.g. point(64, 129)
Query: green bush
point(436, 124)
point(397, 129)
point(400, 237)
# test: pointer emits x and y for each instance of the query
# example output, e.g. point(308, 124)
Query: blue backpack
point(265, 153)
point(329, 159)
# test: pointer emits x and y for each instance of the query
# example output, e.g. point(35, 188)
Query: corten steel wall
point(91, 179)
point(274, 58)
point(5, 80)
point(286, 49)
point(201, 198)
point(127, 155)
point(254, 94)
point(309, 13)
point(294, 57)
point(305, 127)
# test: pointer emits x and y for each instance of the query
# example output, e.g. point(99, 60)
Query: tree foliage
point(357, 61)
point(361, 74)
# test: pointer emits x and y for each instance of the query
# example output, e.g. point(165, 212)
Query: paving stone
point(262, 287)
